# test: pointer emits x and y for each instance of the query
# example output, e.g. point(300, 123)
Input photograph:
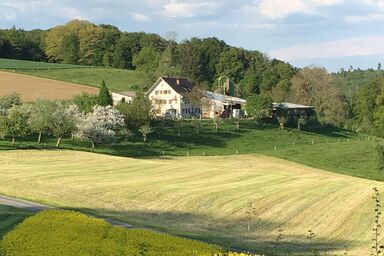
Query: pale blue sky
point(329, 33)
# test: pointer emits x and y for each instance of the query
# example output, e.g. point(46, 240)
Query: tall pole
point(220, 83)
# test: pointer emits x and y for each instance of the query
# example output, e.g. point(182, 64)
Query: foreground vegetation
point(236, 201)
point(63, 233)
point(10, 216)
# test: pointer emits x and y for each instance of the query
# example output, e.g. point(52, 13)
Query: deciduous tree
point(15, 122)
point(85, 102)
point(100, 125)
point(145, 130)
point(10, 100)
point(40, 113)
point(147, 60)
point(137, 113)
point(63, 120)
point(313, 86)
point(259, 106)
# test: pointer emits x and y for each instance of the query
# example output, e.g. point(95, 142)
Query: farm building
point(292, 111)
point(223, 105)
point(171, 97)
point(124, 96)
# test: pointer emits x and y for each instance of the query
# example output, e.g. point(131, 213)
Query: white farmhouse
point(169, 97)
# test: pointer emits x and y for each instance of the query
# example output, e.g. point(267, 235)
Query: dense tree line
point(21, 44)
point(200, 60)
point(363, 92)
point(350, 98)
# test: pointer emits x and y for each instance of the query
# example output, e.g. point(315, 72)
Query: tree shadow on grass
point(10, 217)
point(220, 231)
point(330, 131)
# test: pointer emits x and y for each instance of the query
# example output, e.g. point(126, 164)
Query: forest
point(351, 99)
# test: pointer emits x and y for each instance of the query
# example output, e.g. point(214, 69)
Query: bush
point(55, 232)
point(379, 150)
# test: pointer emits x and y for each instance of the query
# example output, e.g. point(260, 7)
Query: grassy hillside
point(10, 216)
point(116, 79)
point(65, 233)
point(334, 150)
point(32, 65)
point(209, 198)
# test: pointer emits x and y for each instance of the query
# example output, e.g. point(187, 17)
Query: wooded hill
point(349, 99)
point(201, 60)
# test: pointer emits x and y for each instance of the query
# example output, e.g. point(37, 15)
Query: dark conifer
point(104, 98)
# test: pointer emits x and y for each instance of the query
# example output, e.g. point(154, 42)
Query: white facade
point(169, 99)
point(166, 101)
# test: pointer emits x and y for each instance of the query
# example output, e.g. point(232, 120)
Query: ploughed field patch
point(236, 201)
point(30, 88)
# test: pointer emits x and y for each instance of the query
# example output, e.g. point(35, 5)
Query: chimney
point(178, 81)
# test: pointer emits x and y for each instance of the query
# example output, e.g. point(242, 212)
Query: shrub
point(55, 232)
point(379, 150)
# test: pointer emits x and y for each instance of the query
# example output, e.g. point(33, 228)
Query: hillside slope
point(204, 197)
point(116, 79)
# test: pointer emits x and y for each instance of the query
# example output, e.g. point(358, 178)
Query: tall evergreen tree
point(104, 98)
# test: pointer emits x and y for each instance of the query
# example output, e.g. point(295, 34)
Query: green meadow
point(330, 149)
point(116, 79)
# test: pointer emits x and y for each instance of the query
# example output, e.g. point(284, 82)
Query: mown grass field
point(332, 149)
point(10, 216)
point(116, 79)
point(207, 198)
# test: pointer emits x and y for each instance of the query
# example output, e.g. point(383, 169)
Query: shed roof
point(224, 98)
point(127, 93)
point(180, 84)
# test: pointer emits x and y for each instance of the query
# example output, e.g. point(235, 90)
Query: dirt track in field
point(30, 88)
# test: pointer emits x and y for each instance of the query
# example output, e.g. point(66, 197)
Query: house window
point(170, 102)
point(169, 91)
point(156, 92)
